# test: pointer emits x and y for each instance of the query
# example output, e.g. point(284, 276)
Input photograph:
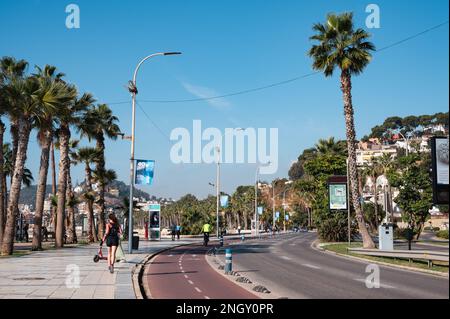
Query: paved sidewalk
point(42, 275)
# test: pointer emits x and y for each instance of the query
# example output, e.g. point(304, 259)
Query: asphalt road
point(290, 268)
point(184, 273)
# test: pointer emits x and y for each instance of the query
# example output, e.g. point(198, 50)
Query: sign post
point(338, 197)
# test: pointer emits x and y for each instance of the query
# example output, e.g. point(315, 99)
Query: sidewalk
point(42, 275)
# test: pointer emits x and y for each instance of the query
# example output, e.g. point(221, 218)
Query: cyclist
point(206, 229)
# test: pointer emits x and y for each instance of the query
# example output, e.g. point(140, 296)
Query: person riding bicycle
point(206, 229)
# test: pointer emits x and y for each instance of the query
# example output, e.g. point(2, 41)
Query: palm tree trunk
point(375, 197)
point(40, 192)
point(70, 225)
point(13, 202)
point(64, 163)
point(53, 208)
point(92, 234)
point(100, 166)
point(346, 87)
point(2, 189)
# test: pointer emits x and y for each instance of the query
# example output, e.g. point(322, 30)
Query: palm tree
point(87, 156)
point(45, 139)
point(341, 46)
point(373, 171)
point(98, 123)
point(31, 99)
point(68, 117)
point(330, 146)
point(9, 70)
point(72, 201)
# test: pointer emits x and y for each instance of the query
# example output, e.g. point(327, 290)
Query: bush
point(334, 228)
point(442, 234)
point(401, 233)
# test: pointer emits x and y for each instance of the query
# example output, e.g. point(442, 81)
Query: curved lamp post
point(134, 91)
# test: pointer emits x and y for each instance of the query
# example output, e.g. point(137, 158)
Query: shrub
point(428, 228)
point(334, 228)
point(401, 233)
point(442, 234)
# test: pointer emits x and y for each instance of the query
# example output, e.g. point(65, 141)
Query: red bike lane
point(184, 273)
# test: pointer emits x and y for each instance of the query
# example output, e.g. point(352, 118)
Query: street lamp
point(217, 189)
point(256, 197)
point(273, 200)
point(134, 91)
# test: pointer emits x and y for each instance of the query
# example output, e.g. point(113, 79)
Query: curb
point(314, 245)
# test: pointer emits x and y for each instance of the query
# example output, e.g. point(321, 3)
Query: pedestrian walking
point(45, 233)
point(178, 231)
point(25, 231)
point(112, 234)
point(173, 231)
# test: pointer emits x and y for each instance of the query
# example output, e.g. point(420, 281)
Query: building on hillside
point(366, 151)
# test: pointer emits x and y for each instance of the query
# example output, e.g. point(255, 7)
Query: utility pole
point(217, 190)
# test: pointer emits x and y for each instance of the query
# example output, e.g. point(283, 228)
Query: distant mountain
point(28, 194)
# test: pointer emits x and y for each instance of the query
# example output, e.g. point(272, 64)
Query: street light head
point(288, 182)
point(172, 53)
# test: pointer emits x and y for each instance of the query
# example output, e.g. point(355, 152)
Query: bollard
point(228, 261)
point(221, 241)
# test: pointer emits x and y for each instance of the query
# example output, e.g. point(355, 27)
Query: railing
point(427, 255)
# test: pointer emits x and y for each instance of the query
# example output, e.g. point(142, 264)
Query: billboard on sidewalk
point(440, 170)
point(144, 172)
point(337, 193)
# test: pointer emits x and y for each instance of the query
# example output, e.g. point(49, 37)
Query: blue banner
point(286, 217)
point(260, 210)
point(224, 201)
point(277, 215)
point(144, 172)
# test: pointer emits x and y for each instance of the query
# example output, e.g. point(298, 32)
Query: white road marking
point(198, 290)
point(186, 276)
point(286, 257)
point(191, 282)
point(206, 297)
point(311, 266)
point(381, 285)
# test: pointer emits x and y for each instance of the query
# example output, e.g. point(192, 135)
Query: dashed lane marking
point(191, 282)
point(311, 266)
point(198, 290)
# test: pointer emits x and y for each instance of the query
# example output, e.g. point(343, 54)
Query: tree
point(341, 46)
point(374, 170)
point(72, 201)
point(98, 123)
point(243, 203)
point(411, 178)
point(87, 156)
point(45, 125)
point(10, 69)
point(32, 98)
point(69, 116)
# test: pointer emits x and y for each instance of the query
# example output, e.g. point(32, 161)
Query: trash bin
point(135, 243)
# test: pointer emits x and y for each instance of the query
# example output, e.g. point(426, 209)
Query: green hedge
point(443, 234)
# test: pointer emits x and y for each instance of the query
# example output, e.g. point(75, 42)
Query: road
point(291, 268)
point(184, 273)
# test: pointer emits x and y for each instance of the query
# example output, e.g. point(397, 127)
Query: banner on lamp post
point(224, 201)
point(260, 210)
point(144, 172)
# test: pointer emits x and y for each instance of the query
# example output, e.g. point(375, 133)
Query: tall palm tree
point(10, 69)
point(45, 138)
point(98, 123)
point(31, 98)
point(87, 156)
point(69, 116)
point(341, 46)
point(72, 201)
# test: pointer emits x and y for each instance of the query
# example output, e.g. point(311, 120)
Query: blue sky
point(228, 46)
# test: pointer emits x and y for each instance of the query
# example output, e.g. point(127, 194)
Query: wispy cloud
point(203, 92)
